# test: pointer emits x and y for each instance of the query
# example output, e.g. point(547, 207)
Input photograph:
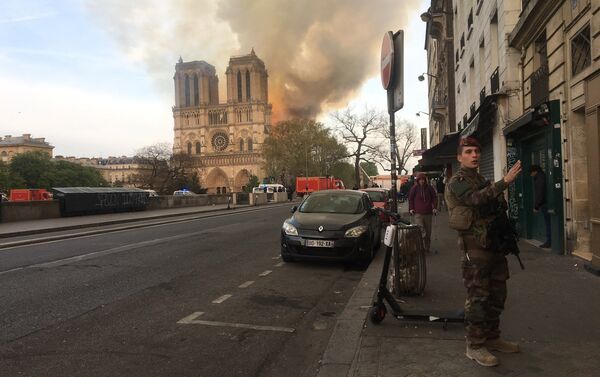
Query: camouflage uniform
point(484, 269)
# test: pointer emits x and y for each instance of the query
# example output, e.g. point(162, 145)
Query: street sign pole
point(392, 77)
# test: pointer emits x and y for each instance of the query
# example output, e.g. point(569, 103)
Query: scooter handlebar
point(396, 216)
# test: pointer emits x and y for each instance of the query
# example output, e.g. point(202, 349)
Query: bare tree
point(359, 133)
point(155, 159)
point(406, 141)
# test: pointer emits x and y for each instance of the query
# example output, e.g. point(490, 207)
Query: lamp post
point(422, 112)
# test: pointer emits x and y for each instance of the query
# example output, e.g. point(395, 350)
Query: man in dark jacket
point(539, 200)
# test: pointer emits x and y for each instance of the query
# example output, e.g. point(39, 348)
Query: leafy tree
point(359, 132)
point(31, 169)
point(300, 147)
point(252, 183)
point(68, 174)
point(5, 179)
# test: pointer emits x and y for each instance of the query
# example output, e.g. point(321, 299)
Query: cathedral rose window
point(220, 141)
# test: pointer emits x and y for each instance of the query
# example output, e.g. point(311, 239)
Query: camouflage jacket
point(467, 188)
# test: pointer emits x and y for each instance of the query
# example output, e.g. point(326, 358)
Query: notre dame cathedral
point(225, 139)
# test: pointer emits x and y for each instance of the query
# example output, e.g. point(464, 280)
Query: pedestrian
point(473, 205)
point(422, 203)
point(440, 186)
point(539, 200)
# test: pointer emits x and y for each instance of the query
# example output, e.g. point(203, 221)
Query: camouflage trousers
point(484, 275)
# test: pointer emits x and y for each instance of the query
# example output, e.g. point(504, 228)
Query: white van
point(271, 188)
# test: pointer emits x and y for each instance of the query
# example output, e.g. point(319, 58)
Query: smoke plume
point(318, 52)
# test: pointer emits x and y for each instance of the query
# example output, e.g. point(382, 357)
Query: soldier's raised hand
point(513, 173)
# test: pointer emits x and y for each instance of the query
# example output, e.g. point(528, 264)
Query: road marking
point(221, 299)
point(265, 273)
point(13, 270)
point(277, 257)
point(279, 264)
point(246, 284)
point(191, 320)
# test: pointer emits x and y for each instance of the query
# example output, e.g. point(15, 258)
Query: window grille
point(581, 56)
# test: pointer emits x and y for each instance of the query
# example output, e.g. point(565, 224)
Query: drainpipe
point(522, 78)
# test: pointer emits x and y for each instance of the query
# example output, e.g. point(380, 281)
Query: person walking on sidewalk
point(539, 200)
point(422, 203)
point(440, 187)
point(473, 204)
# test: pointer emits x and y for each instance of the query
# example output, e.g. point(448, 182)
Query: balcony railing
point(482, 96)
point(495, 82)
point(539, 86)
point(472, 110)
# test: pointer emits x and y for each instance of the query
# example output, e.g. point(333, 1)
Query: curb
point(344, 343)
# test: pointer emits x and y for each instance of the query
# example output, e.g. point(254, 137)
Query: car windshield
point(332, 203)
point(376, 196)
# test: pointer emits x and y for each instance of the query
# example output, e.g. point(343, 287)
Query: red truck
point(25, 195)
point(306, 185)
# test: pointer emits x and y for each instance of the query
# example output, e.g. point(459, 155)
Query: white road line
point(12, 270)
point(265, 273)
point(279, 264)
point(221, 299)
point(246, 284)
point(191, 320)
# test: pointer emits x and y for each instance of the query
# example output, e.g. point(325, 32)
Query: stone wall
point(179, 201)
point(33, 210)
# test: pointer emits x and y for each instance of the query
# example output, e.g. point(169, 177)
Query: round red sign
point(387, 59)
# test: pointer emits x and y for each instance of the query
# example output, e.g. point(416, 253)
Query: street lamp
point(422, 112)
point(422, 76)
point(427, 16)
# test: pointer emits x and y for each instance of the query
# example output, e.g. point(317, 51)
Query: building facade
point(527, 84)
point(558, 126)
point(13, 145)
point(224, 139)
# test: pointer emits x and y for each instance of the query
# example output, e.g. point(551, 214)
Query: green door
point(535, 151)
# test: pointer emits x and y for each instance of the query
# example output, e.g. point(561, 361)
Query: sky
point(95, 77)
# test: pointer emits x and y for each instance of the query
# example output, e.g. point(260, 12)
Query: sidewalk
point(552, 310)
point(34, 227)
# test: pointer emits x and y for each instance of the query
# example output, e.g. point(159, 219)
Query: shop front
point(535, 139)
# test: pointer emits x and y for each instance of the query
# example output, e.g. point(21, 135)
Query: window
point(239, 86)
point(247, 86)
point(250, 144)
point(187, 90)
point(196, 91)
point(198, 147)
point(189, 148)
point(241, 145)
point(581, 51)
point(470, 22)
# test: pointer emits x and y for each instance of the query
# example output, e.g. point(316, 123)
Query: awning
point(536, 117)
point(485, 115)
point(438, 154)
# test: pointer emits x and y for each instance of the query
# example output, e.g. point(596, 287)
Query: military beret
point(469, 141)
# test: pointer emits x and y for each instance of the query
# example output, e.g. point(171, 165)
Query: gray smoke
point(318, 52)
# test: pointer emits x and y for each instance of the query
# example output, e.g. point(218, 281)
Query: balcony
point(472, 110)
point(482, 96)
point(440, 99)
point(495, 82)
point(539, 86)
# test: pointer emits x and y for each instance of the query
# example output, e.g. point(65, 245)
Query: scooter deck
point(429, 316)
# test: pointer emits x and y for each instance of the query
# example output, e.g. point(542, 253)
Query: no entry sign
point(387, 60)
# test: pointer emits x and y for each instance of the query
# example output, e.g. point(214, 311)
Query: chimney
point(26, 136)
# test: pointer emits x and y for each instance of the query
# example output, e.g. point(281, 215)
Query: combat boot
point(482, 356)
point(502, 345)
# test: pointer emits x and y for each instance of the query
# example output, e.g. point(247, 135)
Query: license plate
point(319, 243)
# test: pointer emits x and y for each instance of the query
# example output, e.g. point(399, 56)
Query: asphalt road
point(204, 297)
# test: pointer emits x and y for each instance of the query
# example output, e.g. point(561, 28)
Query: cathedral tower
point(224, 139)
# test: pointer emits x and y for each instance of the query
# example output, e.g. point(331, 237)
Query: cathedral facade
point(224, 139)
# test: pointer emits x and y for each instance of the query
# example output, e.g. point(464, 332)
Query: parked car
point(151, 193)
point(332, 225)
point(381, 199)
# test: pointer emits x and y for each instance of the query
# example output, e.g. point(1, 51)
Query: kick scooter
point(378, 310)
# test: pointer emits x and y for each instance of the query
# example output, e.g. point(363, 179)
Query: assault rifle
point(502, 230)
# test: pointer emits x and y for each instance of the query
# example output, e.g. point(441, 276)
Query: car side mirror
point(294, 209)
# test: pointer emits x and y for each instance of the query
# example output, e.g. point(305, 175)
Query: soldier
point(473, 203)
